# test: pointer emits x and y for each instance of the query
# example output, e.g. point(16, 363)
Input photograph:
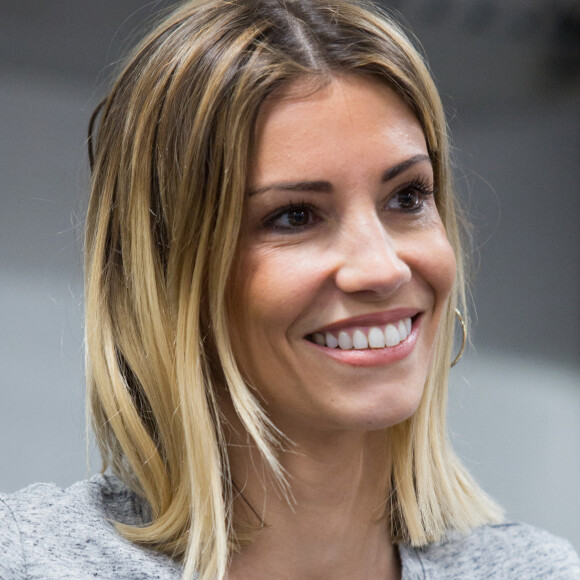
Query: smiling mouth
point(361, 338)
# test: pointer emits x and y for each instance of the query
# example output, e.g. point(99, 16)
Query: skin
point(352, 244)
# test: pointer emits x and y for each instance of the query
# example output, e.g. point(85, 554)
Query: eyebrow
point(326, 187)
point(403, 166)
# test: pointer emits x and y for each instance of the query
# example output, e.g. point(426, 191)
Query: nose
point(370, 260)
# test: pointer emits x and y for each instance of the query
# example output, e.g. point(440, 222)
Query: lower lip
point(370, 357)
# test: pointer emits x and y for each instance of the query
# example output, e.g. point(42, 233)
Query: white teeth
point(344, 341)
point(392, 335)
point(359, 340)
point(376, 338)
point(402, 330)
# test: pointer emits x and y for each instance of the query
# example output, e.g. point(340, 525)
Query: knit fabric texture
point(47, 532)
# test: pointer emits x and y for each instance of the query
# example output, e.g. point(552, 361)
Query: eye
point(291, 217)
point(411, 196)
point(409, 199)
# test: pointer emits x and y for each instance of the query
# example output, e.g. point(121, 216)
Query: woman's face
point(344, 266)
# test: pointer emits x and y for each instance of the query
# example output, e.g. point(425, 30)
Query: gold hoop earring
point(463, 339)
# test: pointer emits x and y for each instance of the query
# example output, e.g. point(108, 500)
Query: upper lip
point(371, 319)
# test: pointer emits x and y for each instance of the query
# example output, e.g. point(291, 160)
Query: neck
point(332, 527)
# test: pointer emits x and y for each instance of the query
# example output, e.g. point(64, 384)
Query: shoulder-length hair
point(169, 159)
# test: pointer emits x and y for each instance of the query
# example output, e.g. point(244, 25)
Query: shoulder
point(101, 495)
point(46, 531)
point(496, 551)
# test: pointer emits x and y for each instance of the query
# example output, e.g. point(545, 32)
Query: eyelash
point(421, 186)
point(270, 221)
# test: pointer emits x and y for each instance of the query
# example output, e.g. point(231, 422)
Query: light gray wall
point(513, 98)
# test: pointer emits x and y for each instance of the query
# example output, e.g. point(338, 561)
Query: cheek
point(271, 288)
point(433, 260)
point(443, 266)
point(278, 277)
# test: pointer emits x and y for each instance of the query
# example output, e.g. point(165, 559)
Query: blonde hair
point(169, 166)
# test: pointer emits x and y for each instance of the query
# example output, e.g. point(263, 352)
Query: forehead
point(352, 119)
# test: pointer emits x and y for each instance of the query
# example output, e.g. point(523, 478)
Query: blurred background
point(509, 74)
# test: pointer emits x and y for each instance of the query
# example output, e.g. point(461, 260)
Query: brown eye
point(409, 199)
point(297, 217)
point(292, 217)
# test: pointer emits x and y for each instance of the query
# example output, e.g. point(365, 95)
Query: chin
point(382, 417)
point(368, 414)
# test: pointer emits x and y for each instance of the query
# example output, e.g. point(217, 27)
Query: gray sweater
point(47, 532)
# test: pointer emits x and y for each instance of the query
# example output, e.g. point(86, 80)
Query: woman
point(273, 269)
